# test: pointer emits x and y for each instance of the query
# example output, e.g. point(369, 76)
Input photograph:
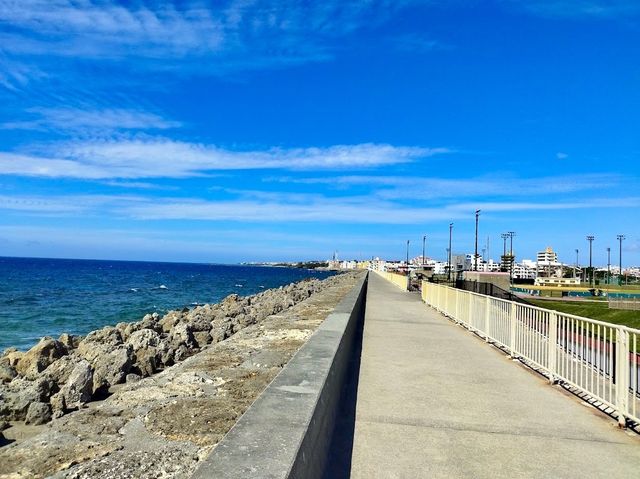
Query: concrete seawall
point(288, 431)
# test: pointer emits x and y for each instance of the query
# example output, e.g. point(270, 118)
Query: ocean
point(48, 297)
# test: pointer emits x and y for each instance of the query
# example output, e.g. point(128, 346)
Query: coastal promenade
point(435, 401)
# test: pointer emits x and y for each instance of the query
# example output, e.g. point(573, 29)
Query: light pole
point(590, 239)
point(424, 240)
point(449, 259)
point(407, 257)
point(475, 257)
point(608, 265)
point(511, 257)
point(577, 263)
point(504, 237)
point(620, 239)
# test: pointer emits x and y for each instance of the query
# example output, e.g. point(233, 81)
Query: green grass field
point(592, 310)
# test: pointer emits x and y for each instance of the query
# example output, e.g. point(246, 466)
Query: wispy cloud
point(154, 158)
point(496, 185)
point(580, 8)
point(227, 35)
point(90, 121)
point(278, 208)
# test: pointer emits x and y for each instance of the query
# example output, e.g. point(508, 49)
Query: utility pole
point(424, 240)
point(407, 257)
point(449, 260)
point(590, 239)
point(475, 257)
point(608, 265)
point(620, 239)
point(577, 263)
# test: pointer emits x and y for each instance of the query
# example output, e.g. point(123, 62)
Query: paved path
point(436, 401)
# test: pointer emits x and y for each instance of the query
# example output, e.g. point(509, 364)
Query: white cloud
point(496, 185)
point(282, 208)
point(230, 34)
point(129, 159)
point(561, 156)
point(90, 121)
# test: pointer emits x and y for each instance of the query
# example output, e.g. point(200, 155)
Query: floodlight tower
point(590, 239)
point(621, 238)
point(475, 257)
point(512, 258)
point(449, 260)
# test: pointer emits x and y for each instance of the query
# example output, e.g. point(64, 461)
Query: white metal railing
point(401, 281)
point(597, 358)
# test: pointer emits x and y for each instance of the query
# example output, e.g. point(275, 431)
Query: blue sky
point(256, 130)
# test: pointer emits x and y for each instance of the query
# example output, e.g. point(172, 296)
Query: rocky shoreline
point(184, 377)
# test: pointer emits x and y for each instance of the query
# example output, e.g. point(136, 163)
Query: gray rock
point(99, 342)
point(7, 373)
point(78, 388)
point(202, 338)
point(110, 369)
point(18, 395)
point(133, 378)
point(170, 320)
point(70, 341)
point(146, 361)
point(58, 405)
point(60, 370)
point(39, 357)
point(143, 339)
point(181, 334)
point(38, 413)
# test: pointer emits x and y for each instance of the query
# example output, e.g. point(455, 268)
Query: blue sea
point(47, 297)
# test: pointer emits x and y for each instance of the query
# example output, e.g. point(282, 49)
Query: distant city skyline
point(285, 130)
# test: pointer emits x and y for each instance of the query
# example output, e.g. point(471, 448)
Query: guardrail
point(399, 280)
point(593, 357)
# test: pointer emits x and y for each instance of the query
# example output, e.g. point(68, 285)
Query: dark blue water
point(46, 297)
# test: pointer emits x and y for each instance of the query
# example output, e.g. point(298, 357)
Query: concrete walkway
point(436, 401)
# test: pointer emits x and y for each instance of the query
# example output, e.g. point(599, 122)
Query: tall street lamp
point(407, 257)
point(608, 265)
point(577, 263)
point(621, 238)
point(424, 240)
point(590, 239)
point(475, 257)
point(449, 260)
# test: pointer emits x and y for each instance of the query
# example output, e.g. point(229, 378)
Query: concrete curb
point(287, 431)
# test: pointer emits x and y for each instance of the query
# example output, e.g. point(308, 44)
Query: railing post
point(512, 330)
point(456, 294)
point(487, 317)
point(552, 336)
point(622, 375)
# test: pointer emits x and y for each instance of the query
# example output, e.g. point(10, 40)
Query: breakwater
point(172, 418)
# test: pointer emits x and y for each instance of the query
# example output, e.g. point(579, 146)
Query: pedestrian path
point(435, 401)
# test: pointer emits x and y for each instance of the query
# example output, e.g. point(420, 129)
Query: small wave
point(261, 286)
point(135, 290)
point(239, 286)
point(162, 286)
